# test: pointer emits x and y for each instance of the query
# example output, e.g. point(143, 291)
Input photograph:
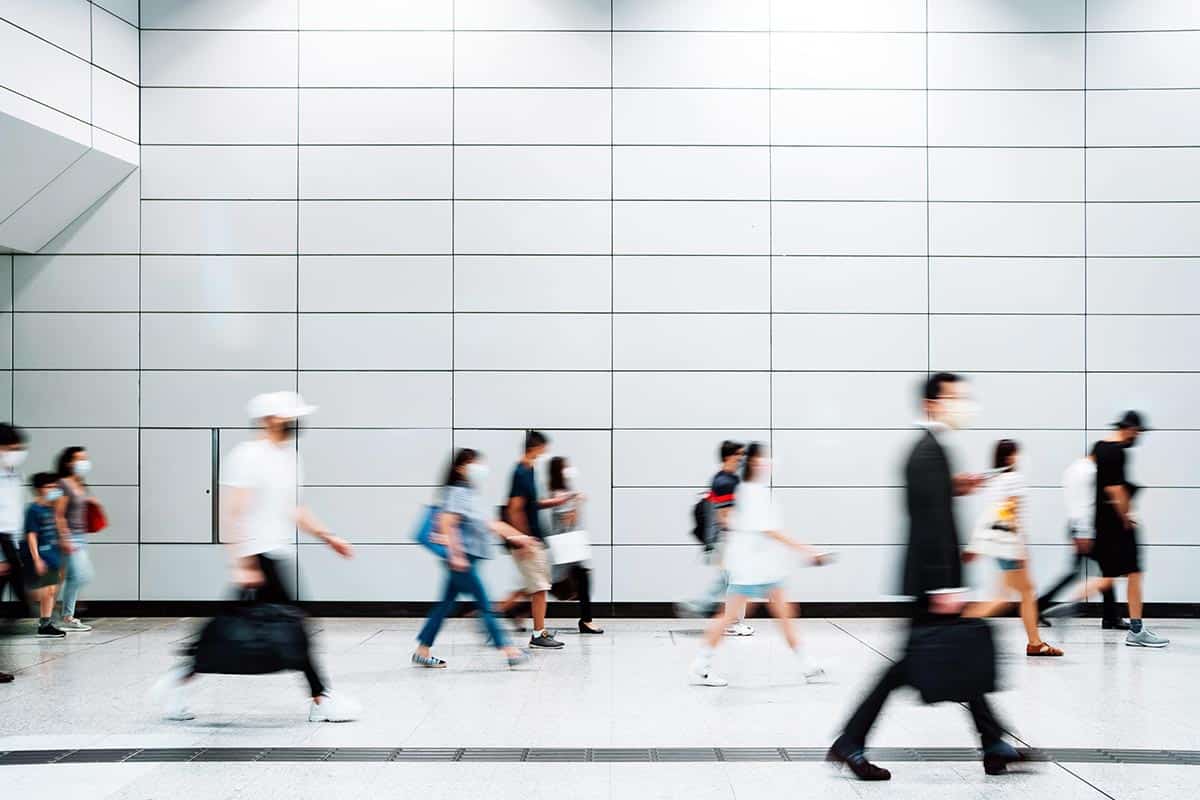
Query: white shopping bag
point(571, 547)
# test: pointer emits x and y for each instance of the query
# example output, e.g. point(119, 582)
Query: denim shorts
point(1009, 564)
point(754, 591)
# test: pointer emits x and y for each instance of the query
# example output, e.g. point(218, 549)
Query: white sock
point(704, 655)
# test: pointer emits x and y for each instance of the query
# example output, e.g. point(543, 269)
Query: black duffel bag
point(952, 660)
point(252, 639)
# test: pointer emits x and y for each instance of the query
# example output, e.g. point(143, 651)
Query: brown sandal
point(1042, 649)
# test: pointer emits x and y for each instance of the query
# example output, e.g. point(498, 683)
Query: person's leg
point(1133, 591)
point(1018, 581)
point(1110, 612)
point(537, 604)
point(15, 576)
point(45, 601)
point(990, 730)
point(474, 588)
point(433, 623)
point(735, 609)
point(274, 590)
point(583, 584)
point(1069, 577)
point(781, 610)
point(854, 734)
point(79, 574)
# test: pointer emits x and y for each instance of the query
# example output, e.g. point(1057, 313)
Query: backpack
point(704, 521)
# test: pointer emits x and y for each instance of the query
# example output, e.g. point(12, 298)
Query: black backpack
point(704, 529)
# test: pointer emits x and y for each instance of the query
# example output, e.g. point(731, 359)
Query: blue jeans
point(79, 574)
point(465, 582)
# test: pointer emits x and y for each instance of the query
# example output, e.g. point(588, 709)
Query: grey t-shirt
point(464, 501)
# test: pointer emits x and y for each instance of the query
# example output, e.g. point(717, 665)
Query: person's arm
point(1118, 498)
point(448, 525)
point(308, 522)
point(510, 535)
point(517, 515)
point(38, 564)
point(235, 502)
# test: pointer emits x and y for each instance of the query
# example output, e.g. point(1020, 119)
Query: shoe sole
point(51, 636)
point(1150, 646)
point(545, 646)
point(706, 682)
point(431, 666)
point(736, 633)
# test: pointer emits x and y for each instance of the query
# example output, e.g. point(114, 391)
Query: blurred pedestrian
point(42, 553)
point(12, 516)
point(1117, 549)
point(567, 519)
point(758, 557)
point(932, 574)
point(74, 465)
point(719, 504)
point(1000, 534)
point(262, 512)
point(466, 532)
point(1079, 492)
point(522, 512)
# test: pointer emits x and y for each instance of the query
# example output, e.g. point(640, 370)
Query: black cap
point(1131, 419)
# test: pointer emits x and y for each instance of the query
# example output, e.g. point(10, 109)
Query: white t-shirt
point(1079, 490)
point(992, 541)
point(272, 474)
point(12, 507)
point(751, 556)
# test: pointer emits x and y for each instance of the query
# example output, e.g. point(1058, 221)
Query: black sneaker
point(48, 631)
point(1044, 623)
point(1114, 625)
point(545, 641)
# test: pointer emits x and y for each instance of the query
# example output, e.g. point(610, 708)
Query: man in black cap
point(1116, 549)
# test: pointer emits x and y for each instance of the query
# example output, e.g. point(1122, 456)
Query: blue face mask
point(53, 494)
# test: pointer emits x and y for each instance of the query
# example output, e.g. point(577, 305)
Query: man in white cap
point(261, 512)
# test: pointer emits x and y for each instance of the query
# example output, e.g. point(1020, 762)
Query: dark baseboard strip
point(154, 608)
point(176, 755)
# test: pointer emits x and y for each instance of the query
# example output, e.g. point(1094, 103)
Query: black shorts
point(1117, 551)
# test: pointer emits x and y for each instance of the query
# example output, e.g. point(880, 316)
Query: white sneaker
point(171, 692)
point(811, 670)
point(739, 629)
point(334, 709)
point(73, 625)
point(701, 674)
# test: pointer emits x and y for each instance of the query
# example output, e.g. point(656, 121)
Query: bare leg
point(46, 601)
point(1134, 592)
point(781, 609)
point(1018, 580)
point(537, 601)
point(735, 608)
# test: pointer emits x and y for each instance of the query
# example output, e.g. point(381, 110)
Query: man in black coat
point(932, 574)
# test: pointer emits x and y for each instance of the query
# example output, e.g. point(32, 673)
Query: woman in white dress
point(758, 556)
point(1000, 534)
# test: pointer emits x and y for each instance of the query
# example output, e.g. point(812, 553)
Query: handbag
point(96, 520)
point(569, 547)
point(426, 530)
point(953, 660)
point(254, 639)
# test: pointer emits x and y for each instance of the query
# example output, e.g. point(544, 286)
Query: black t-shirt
point(1110, 471)
point(524, 486)
point(724, 484)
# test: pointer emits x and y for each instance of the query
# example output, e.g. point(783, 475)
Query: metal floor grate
point(610, 755)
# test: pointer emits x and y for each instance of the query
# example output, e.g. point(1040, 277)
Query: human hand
point(458, 562)
point(968, 556)
point(39, 566)
point(1083, 546)
point(967, 482)
point(340, 546)
point(248, 577)
point(67, 546)
point(3, 567)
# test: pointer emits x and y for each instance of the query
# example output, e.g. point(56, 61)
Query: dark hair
point(63, 465)
point(934, 384)
point(753, 451)
point(1004, 451)
point(729, 448)
point(464, 456)
point(10, 435)
point(558, 481)
point(43, 479)
point(534, 439)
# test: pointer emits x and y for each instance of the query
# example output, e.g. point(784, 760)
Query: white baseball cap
point(286, 405)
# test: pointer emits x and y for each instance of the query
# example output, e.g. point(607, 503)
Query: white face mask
point(957, 412)
point(13, 458)
point(476, 473)
point(82, 468)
